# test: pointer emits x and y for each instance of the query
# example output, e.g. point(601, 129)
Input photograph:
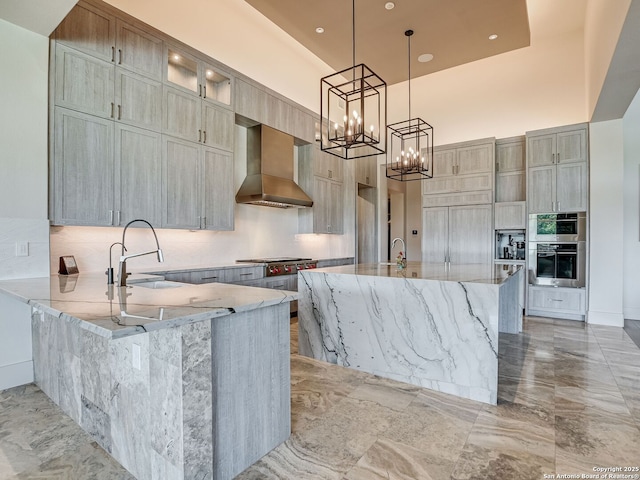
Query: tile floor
point(569, 401)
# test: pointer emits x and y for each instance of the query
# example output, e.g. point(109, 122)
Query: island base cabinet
point(201, 400)
point(558, 302)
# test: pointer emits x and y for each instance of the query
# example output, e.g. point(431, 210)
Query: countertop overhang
point(114, 312)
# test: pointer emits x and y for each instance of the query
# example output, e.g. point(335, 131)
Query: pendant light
point(353, 110)
point(411, 144)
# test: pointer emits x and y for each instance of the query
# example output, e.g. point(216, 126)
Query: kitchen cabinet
point(367, 171)
point(197, 186)
point(557, 302)
point(327, 166)
point(510, 170)
point(459, 170)
point(557, 174)
point(104, 174)
point(510, 216)
point(327, 213)
point(457, 234)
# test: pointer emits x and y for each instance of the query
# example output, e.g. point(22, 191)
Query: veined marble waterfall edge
point(441, 335)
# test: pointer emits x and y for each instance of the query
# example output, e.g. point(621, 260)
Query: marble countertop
point(114, 312)
point(474, 273)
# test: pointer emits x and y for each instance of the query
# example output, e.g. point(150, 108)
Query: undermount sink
point(157, 284)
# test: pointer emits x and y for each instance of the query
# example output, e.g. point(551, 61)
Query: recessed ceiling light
point(319, 30)
point(493, 36)
point(425, 57)
point(389, 5)
point(176, 57)
point(209, 73)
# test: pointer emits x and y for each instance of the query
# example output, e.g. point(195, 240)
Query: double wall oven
point(557, 249)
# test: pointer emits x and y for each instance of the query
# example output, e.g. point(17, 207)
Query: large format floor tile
point(568, 400)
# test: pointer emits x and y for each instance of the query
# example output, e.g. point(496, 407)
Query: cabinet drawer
point(561, 300)
point(242, 274)
point(207, 276)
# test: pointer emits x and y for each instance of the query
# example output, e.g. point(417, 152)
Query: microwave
point(558, 227)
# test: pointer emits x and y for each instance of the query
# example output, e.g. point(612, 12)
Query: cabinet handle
point(557, 206)
point(246, 274)
point(112, 107)
point(199, 135)
point(204, 136)
point(199, 90)
point(204, 89)
point(119, 56)
point(199, 222)
point(497, 167)
point(279, 286)
point(119, 112)
point(555, 300)
point(110, 217)
point(208, 278)
point(113, 54)
point(367, 180)
point(204, 222)
point(553, 158)
point(118, 217)
point(329, 228)
point(330, 174)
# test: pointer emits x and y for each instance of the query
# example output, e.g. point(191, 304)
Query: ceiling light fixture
point(425, 57)
point(411, 143)
point(319, 30)
point(389, 5)
point(353, 110)
point(493, 36)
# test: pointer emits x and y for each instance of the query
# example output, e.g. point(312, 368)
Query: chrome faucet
point(122, 269)
point(109, 271)
point(404, 248)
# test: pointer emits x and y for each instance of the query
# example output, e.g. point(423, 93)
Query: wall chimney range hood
point(269, 179)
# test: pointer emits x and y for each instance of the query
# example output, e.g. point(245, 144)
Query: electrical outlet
point(22, 249)
point(135, 356)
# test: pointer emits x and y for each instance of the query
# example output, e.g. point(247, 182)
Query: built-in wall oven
point(557, 249)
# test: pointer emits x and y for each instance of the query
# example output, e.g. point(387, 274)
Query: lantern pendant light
point(410, 154)
point(353, 110)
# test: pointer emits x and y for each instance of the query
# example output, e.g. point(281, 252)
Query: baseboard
point(605, 318)
point(16, 374)
point(632, 313)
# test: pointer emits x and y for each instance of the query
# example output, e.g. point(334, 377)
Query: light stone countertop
point(115, 312)
point(474, 273)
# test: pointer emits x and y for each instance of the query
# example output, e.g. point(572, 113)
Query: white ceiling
point(39, 16)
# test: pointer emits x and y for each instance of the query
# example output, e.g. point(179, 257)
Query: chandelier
point(353, 110)
point(411, 143)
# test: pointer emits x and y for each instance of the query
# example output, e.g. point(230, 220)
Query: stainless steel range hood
point(269, 179)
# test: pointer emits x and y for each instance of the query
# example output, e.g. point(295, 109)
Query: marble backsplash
point(20, 230)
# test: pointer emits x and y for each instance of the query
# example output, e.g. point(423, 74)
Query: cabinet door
point(84, 83)
point(139, 51)
point(512, 215)
point(181, 116)
point(366, 171)
point(435, 237)
point(218, 191)
point(250, 101)
point(471, 183)
point(336, 208)
point(571, 187)
point(572, 146)
point(475, 159)
point(559, 300)
point(181, 71)
point(216, 85)
point(303, 125)
point(139, 100)
point(511, 186)
point(83, 169)
point(321, 207)
point(445, 184)
point(90, 30)
point(541, 189)
point(218, 126)
point(326, 165)
point(510, 157)
point(181, 181)
point(470, 234)
point(541, 150)
point(138, 175)
point(443, 162)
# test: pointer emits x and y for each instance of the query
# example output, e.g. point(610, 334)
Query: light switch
point(22, 249)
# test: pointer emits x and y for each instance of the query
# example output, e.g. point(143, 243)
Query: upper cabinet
point(557, 174)
point(367, 171)
point(511, 170)
point(462, 174)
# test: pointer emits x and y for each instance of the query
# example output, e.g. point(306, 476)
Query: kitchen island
point(427, 324)
point(175, 381)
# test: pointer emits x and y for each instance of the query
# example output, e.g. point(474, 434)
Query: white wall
point(23, 187)
point(606, 262)
point(631, 231)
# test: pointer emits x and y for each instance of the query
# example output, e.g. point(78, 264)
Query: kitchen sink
point(157, 284)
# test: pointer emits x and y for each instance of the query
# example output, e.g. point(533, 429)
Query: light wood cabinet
point(458, 234)
point(510, 216)
point(138, 100)
point(460, 169)
point(327, 213)
point(557, 174)
point(138, 50)
point(510, 170)
point(367, 171)
point(89, 29)
point(327, 166)
point(83, 169)
point(197, 186)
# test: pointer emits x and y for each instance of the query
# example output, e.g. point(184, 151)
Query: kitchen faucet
point(122, 269)
point(404, 248)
